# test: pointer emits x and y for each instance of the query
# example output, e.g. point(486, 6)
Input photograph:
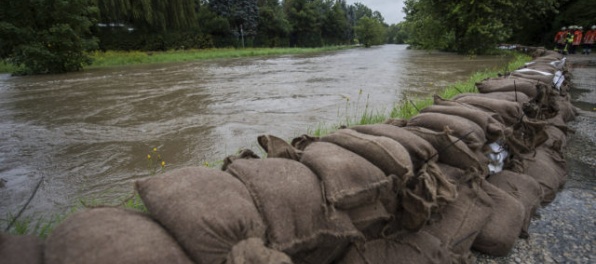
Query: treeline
point(477, 27)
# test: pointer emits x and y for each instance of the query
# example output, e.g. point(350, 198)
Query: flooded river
point(87, 135)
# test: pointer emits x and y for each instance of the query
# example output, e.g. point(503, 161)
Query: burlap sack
point(20, 249)
point(567, 111)
point(206, 210)
point(243, 154)
point(459, 127)
point(370, 219)
point(504, 227)
point(517, 97)
point(278, 148)
point(557, 139)
point(254, 251)
point(503, 84)
point(420, 247)
point(493, 129)
point(289, 197)
point(542, 66)
point(522, 187)
point(301, 142)
point(419, 149)
point(556, 160)
point(451, 150)
point(462, 220)
point(348, 180)
point(547, 174)
point(532, 76)
point(510, 112)
point(385, 153)
point(111, 235)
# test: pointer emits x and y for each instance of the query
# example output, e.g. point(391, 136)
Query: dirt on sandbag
point(254, 251)
point(504, 227)
point(26, 249)
point(451, 150)
point(387, 154)
point(522, 187)
point(278, 148)
point(111, 235)
point(517, 97)
point(510, 112)
point(419, 149)
point(459, 127)
point(348, 180)
point(206, 210)
point(288, 196)
point(420, 247)
point(491, 85)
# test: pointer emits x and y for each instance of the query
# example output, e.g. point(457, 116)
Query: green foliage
point(397, 34)
point(46, 36)
point(370, 31)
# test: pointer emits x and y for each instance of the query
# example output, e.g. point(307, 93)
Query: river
point(87, 135)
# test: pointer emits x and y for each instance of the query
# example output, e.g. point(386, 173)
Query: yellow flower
point(154, 149)
point(148, 156)
point(163, 164)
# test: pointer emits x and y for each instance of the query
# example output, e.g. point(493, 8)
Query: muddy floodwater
point(87, 135)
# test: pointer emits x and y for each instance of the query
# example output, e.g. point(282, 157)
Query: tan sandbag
point(462, 220)
point(348, 180)
point(206, 210)
point(254, 251)
point(459, 127)
point(503, 84)
point(517, 97)
point(25, 249)
point(288, 196)
point(493, 129)
point(523, 76)
point(542, 66)
point(545, 173)
point(567, 111)
point(111, 235)
point(370, 219)
point(243, 154)
point(301, 142)
point(504, 227)
point(385, 153)
point(522, 187)
point(451, 150)
point(557, 138)
point(278, 148)
point(419, 149)
point(511, 112)
point(420, 247)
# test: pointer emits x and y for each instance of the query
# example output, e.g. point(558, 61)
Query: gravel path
point(565, 230)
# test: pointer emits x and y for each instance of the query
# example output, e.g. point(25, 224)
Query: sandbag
point(278, 148)
point(557, 138)
point(419, 149)
point(491, 85)
point(510, 112)
point(493, 129)
point(289, 198)
point(208, 211)
point(451, 151)
point(254, 251)
point(567, 111)
point(26, 249)
point(348, 180)
point(385, 153)
point(545, 173)
point(301, 142)
point(517, 97)
point(522, 187)
point(535, 76)
point(370, 219)
point(242, 154)
point(111, 235)
point(420, 247)
point(459, 127)
point(462, 220)
point(504, 226)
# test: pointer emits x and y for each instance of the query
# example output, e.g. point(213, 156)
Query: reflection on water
point(87, 134)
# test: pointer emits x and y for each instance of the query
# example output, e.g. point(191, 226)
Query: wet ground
point(565, 230)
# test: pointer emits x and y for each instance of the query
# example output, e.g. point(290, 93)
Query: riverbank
point(123, 58)
point(564, 230)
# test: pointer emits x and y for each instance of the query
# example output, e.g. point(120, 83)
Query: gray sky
point(390, 9)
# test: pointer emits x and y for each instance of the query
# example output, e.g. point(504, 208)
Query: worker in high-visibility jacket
point(589, 40)
point(568, 41)
point(560, 40)
point(577, 39)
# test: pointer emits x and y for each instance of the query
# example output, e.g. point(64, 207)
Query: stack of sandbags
point(20, 249)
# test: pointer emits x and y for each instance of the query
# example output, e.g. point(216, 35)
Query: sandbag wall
point(466, 173)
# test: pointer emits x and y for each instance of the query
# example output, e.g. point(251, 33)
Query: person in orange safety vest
point(577, 39)
point(560, 39)
point(589, 40)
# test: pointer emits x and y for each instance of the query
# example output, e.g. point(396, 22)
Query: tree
point(370, 31)
point(150, 15)
point(336, 28)
point(305, 21)
point(47, 36)
point(243, 15)
point(396, 34)
point(274, 27)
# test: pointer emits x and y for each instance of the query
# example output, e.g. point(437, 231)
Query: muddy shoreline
point(564, 231)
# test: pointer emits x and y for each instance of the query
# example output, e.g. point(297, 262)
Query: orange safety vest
point(560, 37)
point(577, 37)
point(590, 36)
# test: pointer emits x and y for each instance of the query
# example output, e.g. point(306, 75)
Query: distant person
point(577, 39)
point(589, 40)
point(568, 41)
point(560, 39)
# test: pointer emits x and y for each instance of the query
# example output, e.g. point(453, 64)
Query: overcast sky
point(390, 9)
